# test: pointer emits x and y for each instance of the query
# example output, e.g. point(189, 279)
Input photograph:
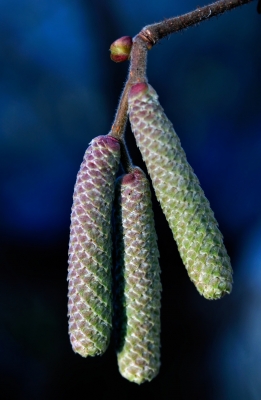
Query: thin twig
point(120, 120)
point(138, 64)
point(148, 37)
point(119, 126)
point(126, 160)
point(153, 33)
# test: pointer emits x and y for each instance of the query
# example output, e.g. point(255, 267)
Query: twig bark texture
point(152, 34)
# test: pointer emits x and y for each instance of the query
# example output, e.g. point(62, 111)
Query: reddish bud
point(121, 49)
point(138, 88)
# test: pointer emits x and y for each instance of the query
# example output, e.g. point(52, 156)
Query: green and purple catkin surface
point(177, 188)
point(137, 280)
point(90, 248)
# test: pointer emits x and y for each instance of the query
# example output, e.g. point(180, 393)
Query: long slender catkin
point(90, 258)
point(184, 204)
point(137, 286)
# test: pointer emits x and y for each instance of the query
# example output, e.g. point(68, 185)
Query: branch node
point(147, 36)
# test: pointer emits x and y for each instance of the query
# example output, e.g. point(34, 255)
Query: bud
point(121, 49)
point(90, 258)
point(137, 280)
point(184, 204)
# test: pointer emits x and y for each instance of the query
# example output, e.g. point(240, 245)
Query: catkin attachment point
point(90, 247)
point(138, 89)
point(137, 280)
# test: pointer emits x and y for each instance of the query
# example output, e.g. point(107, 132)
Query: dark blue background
point(58, 90)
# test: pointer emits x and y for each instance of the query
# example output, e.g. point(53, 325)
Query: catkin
point(177, 188)
point(90, 248)
point(137, 280)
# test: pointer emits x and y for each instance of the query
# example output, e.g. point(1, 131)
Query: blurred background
point(58, 90)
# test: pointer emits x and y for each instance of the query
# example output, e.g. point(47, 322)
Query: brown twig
point(158, 31)
point(119, 126)
point(120, 120)
point(146, 39)
point(138, 65)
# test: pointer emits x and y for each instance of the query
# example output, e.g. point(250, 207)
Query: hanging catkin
point(90, 258)
point(137, 280)
point(187, 210)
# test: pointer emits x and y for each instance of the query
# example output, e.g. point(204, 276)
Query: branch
point(145, 40)
point(153, 33)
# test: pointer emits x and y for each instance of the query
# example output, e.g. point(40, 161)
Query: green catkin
point(184, 204)
point(137, 280)
point(90, 248)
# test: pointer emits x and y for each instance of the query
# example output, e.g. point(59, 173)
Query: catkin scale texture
point(177, 188)
point(90, 248)
point(137, 280)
